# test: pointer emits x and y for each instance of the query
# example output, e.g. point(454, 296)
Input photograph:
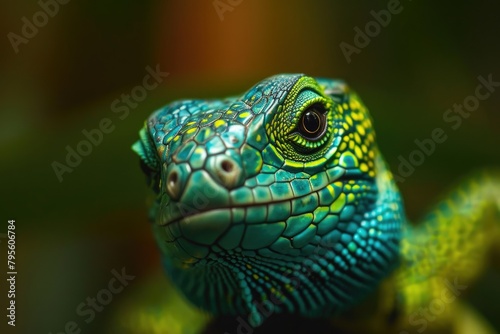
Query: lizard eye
point(146, 169)
point(150, 166)
point(152, 176)
point(304, 124)
point(312, 123)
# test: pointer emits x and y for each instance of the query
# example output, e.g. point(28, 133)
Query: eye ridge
point(312, 122)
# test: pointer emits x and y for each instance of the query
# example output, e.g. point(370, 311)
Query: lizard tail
point(450, 247)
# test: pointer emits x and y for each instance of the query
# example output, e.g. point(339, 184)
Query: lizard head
point(274, 195)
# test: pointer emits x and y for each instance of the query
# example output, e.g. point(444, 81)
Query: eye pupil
point(312, 123)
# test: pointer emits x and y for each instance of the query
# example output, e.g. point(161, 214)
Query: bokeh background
point(71, 234)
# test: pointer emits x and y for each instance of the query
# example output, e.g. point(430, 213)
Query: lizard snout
point(224, 169)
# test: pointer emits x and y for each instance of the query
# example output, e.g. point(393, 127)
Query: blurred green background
point(71, 234)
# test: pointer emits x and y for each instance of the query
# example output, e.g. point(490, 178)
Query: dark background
point(71, 234)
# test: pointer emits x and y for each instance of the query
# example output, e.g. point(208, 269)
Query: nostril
point(226, 170)
point(227, 166)
point(173, 184)
point(172, 180)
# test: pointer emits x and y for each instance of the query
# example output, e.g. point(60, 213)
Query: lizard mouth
point(226, 225)
point(260, 210)
point(251, 213)
point(250, 222)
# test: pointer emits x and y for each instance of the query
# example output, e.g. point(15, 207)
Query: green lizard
point(279, 202)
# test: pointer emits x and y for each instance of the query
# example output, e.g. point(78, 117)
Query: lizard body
point(280, 200)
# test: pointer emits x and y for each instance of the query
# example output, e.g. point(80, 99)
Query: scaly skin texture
point(280, 199)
